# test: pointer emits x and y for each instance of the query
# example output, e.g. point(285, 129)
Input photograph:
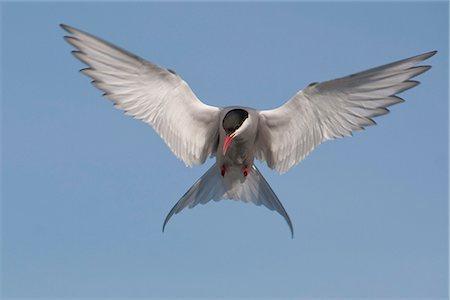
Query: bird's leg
point(222, 170)
point(245, 171)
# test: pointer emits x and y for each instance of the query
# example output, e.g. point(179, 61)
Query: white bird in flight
point(238, 135)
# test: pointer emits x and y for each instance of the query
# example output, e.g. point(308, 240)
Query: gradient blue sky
point(85, 189)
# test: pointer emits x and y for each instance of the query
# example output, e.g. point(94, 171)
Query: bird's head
point(234, 123)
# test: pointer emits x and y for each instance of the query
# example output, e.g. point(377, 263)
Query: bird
point(235, 135)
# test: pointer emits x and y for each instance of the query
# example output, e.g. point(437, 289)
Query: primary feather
point(150, 93)
point(331, 109)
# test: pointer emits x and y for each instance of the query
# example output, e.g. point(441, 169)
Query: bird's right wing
point(331, 109)
point(152, 94)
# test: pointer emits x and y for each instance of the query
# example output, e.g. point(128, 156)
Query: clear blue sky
point(86, 188)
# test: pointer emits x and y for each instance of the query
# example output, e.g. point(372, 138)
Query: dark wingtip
point(73, 30)
point(427, 55)
point(65, 27)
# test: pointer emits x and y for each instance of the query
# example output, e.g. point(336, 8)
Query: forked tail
point(212, 186)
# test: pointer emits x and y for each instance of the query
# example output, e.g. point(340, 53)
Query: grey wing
point(150, 93)
point(331, 109)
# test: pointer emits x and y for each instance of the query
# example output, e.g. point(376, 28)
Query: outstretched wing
point(150, 93)
point(331, 109)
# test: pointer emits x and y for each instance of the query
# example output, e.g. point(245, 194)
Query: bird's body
point(238, 135)
point(239, 153)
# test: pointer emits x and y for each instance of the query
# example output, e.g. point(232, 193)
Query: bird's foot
point(222, 170)
point(245, 171)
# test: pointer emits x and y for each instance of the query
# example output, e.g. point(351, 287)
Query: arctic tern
point(236, 135)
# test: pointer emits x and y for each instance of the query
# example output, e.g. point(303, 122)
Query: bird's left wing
point(331, 109)
point(150, 93)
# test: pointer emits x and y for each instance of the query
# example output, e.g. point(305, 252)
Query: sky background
point(85, 189)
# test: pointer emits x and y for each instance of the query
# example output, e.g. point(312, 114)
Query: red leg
point(245, 171)
point(222, 170)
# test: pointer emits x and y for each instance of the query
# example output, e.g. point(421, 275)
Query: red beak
point(227, 142)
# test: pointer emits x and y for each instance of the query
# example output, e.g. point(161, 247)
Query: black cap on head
point(233, 120)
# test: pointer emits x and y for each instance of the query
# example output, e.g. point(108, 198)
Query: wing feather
point(332, 109)
point(149, 93)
